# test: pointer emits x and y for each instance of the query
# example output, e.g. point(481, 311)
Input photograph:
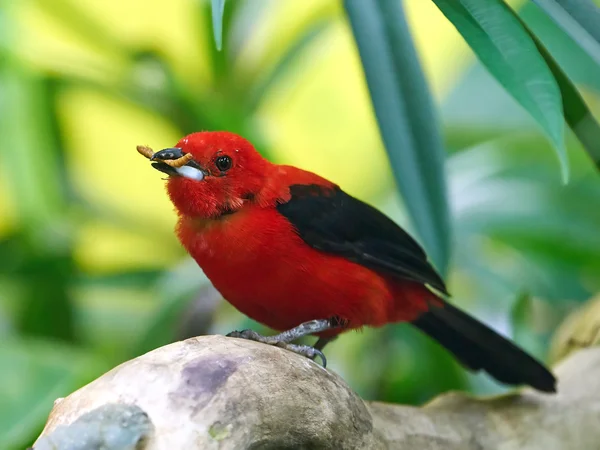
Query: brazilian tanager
point(296, 253)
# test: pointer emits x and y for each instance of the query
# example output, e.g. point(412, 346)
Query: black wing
point(332, 221)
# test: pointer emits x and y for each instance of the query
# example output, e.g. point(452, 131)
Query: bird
point(296, 253)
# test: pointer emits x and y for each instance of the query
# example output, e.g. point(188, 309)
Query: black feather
point(481, 348)
point(332, 221)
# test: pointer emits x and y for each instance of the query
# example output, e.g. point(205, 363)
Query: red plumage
point(263, 268)
point(286, 246)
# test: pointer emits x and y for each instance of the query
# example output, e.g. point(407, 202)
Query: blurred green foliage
point(90, 273)
point(407, 122)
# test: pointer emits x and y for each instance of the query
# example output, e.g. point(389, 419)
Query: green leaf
point(576, 112)
point(33, 375)
point(33, 165)
point(28, 161)
point(218, 60)
point(579, 66)
point(407, 121)
point(218, 8)
point(523, 245)
point(580, 19)
point(500, 115)
point(505, 47)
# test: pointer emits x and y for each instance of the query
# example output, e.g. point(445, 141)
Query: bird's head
point(212, 173)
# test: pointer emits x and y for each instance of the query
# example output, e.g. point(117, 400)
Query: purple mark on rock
point(202, 378)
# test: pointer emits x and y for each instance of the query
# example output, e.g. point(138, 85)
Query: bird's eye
point(223, 163)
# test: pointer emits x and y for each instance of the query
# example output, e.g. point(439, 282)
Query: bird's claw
point(304, 350)
point(234, 334)
point(250, 335)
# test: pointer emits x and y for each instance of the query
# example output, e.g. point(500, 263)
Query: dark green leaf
point(580, 19)
point(28, 162)
point(33, 165)
point(472, 120)
point(49, 99)
point(245, 15)
point(579, 66)
point(504, 46)
point(218, 8)
point(547, 242)
point(46, 301)
point(406, 118)
point(576, 112)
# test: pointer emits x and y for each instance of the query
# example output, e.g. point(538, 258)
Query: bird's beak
point(179, 164)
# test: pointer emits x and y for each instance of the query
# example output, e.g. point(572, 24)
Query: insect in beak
point(174, 162)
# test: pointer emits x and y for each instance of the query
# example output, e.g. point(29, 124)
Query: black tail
point(480, 348)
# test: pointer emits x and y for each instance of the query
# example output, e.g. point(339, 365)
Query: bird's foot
point(284, 339)
point(305, 350)
point(250, 335)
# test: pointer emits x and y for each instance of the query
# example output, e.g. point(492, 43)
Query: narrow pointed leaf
point(507, 50)
point(579, 66)
point(219, 61)
point(577, 114)
point(218, 8)
point(580, 19)
point(406, 118)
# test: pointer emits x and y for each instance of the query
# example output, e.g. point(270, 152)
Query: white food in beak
point(190, 172)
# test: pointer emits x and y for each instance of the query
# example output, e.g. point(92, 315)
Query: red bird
point(294, 252)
